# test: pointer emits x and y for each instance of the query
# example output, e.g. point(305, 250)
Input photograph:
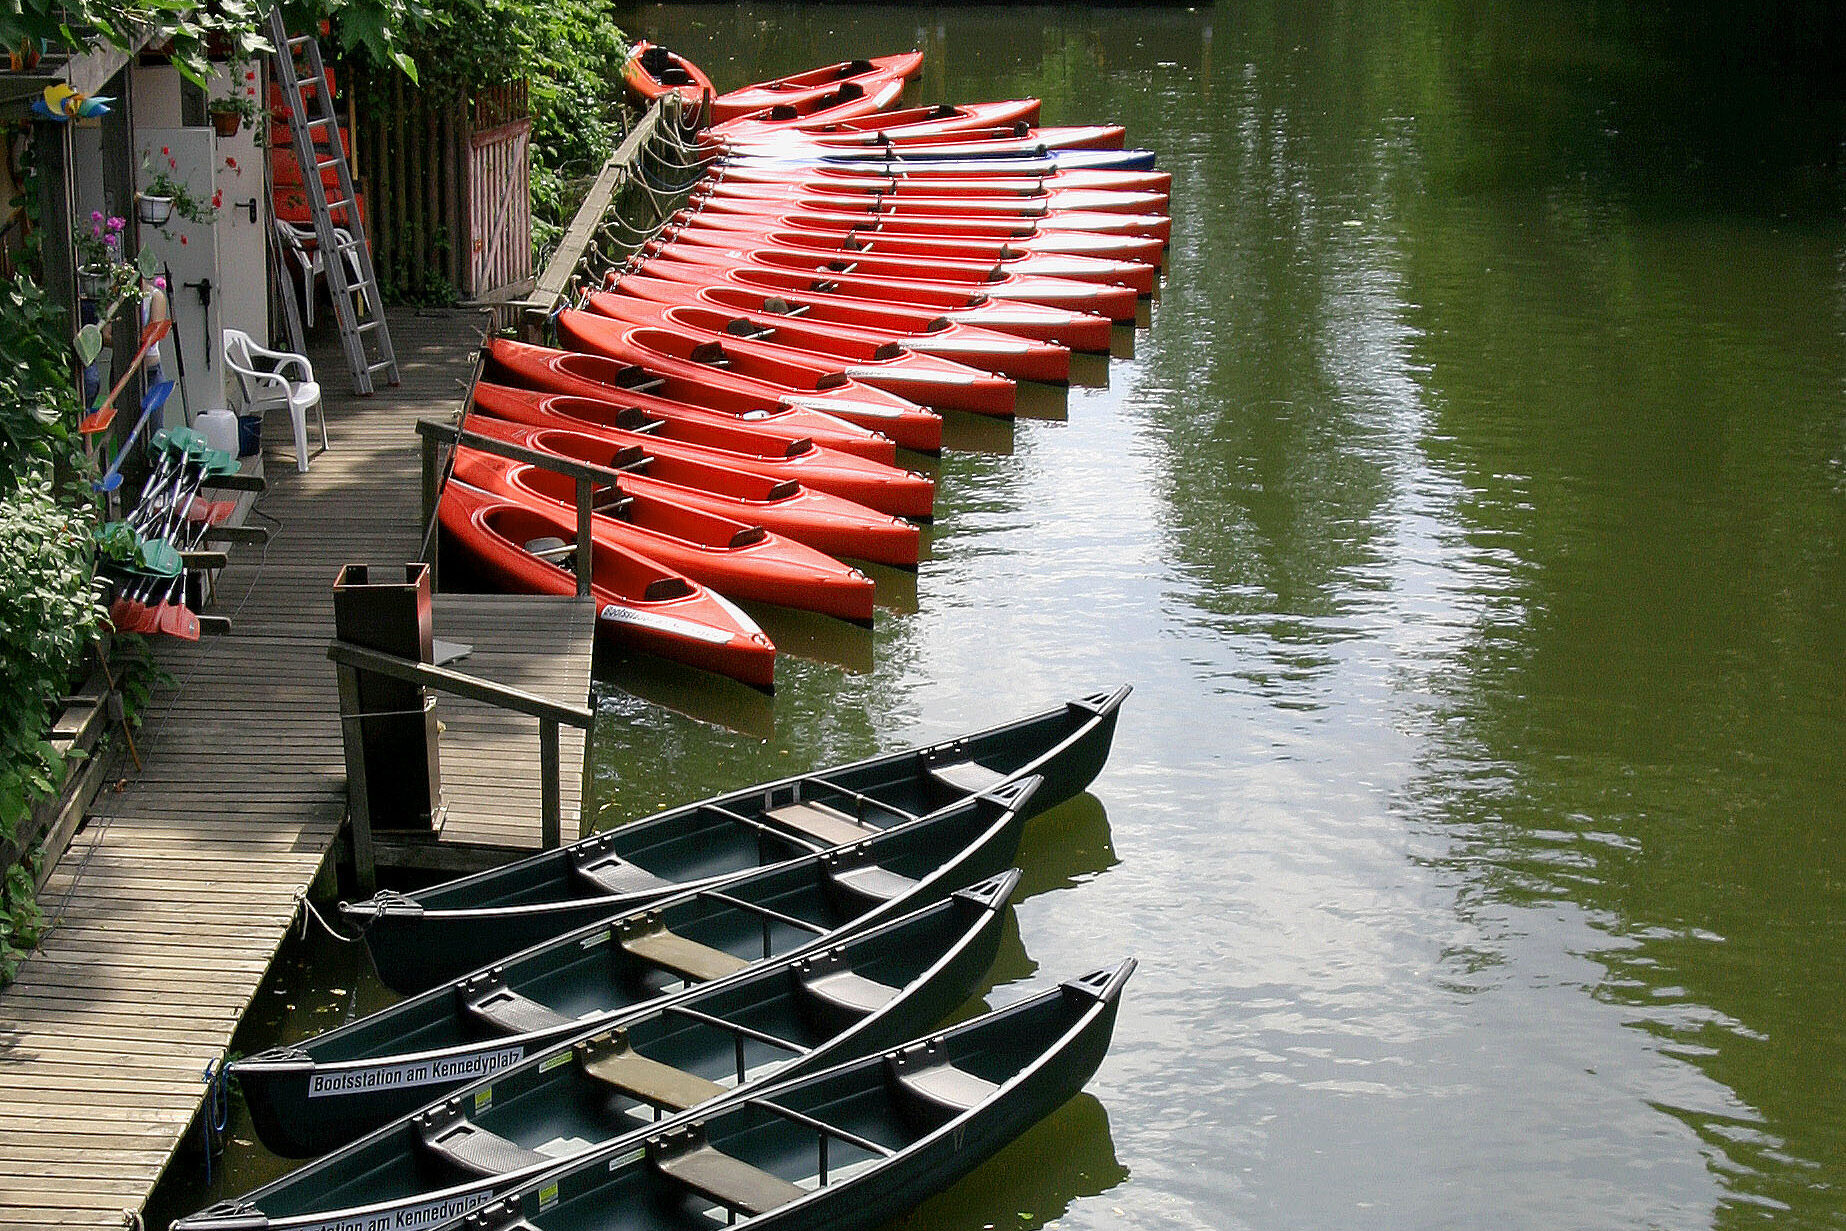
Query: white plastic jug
point(219, 427)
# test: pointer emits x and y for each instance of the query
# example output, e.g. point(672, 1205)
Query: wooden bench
point(647, 938)
point(683, 1155)
point(965, 776)
point(611, 1060)
point(819, 821)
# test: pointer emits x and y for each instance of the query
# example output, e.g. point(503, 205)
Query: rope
point(216, 1114)
point(308, 912)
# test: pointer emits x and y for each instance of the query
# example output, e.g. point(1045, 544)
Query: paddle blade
point(179, 620)
point(160, 556)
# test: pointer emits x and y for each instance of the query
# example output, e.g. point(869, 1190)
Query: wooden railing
point(351, 661)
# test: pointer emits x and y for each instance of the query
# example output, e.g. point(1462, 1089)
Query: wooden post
point(365, 866)
point(431, 479)
point(585, 557)
point(550, 800)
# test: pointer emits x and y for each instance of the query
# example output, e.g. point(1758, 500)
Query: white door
point(187, 254)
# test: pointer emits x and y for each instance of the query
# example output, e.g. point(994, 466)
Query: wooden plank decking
point(172, 901)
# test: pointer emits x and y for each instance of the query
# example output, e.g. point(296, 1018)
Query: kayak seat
point(782, 490)
point(682, 1154)
point(661, 589)
point(749, 535)
point(711, 354)
point(613, 503)
point(871, 881)
point(749, 330)
point(488, 1000)
point(646, 937)
point(824, 285)
point(966, 777)
point(468, 1147)
point(615, 875)
point(922, 1073)
point(827, 978)
point(799, 446)
point(610, 1059)
point(552, 550)
point(829, 825)
point(638, 379)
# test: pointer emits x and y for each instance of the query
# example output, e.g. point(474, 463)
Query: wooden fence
point(447, 186)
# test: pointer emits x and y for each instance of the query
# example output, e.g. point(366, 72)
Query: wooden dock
point(173, 899)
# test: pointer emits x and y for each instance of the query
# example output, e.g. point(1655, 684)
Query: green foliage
point(38, 399)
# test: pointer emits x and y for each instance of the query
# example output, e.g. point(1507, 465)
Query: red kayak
point(823, 175)
point(1079, 331)
point(876, 325)
point(652, 72)
point(737, 559)
point(1151, 226)
point(671, 397)
point(825, 522)
point(916, 198)
point(925, 379)
point(1092, 248)
point(845, 102)
point(926, 121)
point(789, 381)
point(916, 254)
point(931, 279)
point(1024, 235)
point(816, 83)
point(798, 140)
point(639, 602)
point(586, 405)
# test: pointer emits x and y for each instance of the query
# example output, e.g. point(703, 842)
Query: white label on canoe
point(617, 614)
point(416, 1073)
point(624, 1160)
point(590, 942)
point(429, 1214)
point(916, 378)
point(846, 406)
point(558, 1061)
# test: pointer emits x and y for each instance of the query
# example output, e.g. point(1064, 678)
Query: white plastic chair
point(295, 239)
point(262, 377)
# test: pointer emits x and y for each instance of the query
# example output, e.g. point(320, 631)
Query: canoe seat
point(552, 550)
point(682, 1154)
point(609, 1059)
point(615, 875)
point(828, 979)
point(749, 330)
point(711, 353)
point(612, 502)
point(469, 1147)
point(967, 777)
point(638, 379)
point(647, 938)
point(819, 821)
point(748, 535)
point(487, 999)
point(871, 881)
point(925, 1074)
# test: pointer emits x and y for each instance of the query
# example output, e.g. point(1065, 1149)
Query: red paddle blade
point(178, 620)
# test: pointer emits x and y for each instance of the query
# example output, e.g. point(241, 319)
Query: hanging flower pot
point(226, 123)
point(155, 211)
point(93, 281)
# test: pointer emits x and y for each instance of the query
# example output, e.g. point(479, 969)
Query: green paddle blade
point(159, 556)
point(219, 461)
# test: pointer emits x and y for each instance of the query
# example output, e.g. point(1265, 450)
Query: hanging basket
point(155, 211)
point(226, 123)
point(93, 281)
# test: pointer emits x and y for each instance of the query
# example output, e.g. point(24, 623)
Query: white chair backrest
point(237, 358)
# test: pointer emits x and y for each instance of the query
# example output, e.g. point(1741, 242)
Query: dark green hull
point(328, 1090)
point(899, 1127)
point(433, 935)
point(788, 1017)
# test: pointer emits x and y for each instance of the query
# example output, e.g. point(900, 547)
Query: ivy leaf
point(89, 344)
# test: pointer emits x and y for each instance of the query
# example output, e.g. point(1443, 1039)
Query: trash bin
point(371, 608)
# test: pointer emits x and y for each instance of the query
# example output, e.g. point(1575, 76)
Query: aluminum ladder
point(315, 128)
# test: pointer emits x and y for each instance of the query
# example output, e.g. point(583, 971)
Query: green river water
point(1469, 518)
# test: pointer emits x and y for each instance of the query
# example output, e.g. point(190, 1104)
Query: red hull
point(933, 286)
point(887, 489)
point(924, 199)
point(923, 332)
point(1023, 235)
point(925, 379)
point(652, 72)
point(844, 102)
point(927, 121)
point(682, 620)
point(1150, 226)
point(698, 361)
point(904, 254)
point(1077, 330)
point(739, 560)
point(825, 522)
point(665, 396)
point(816, 83)
point(1001, 181)
point(795, 140)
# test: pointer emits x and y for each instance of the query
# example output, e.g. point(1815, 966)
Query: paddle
point(175, 618)
point(104, 414)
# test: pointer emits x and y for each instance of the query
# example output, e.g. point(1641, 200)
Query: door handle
point(249, 205)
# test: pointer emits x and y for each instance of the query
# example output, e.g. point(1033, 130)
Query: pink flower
point(117, 224)
point(96, 215)
point(160, 281)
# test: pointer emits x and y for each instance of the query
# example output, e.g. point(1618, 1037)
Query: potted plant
point(102, 274)
point(163, 195)
point(231, 112)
